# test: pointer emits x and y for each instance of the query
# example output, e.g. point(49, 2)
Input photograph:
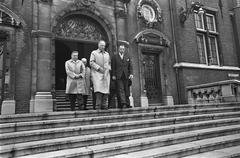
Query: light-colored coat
point(101, 81)
point(74, 68)
point(87, 81)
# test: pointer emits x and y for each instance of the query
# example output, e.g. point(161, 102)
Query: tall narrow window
point(213, 51)
point(207, 36)
point(199, 22)
point(201, 48)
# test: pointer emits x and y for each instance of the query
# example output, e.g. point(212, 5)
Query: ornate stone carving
point(79, 28)
point(8, 20)
point(222, 91)
point(84, 4)
point(149, 12)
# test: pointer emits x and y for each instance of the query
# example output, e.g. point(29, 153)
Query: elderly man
point(101, 65)
point(122, 73)
point(87, 83)
point(75, 70)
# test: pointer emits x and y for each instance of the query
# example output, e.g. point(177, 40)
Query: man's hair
point(74, 52)
point(84, 60)
point(121, 45)
point(102, 41)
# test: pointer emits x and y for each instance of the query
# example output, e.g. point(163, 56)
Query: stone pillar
point(43, 101)
point(8, 76)
point(121, 20)
point(120, 14)
point(236, 26)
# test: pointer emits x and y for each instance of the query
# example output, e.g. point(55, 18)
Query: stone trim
point(41, 33)
point(160, 39)
point(45, 1)
point(203, 66)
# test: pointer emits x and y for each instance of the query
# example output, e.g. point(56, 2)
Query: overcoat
point(101, 80)
point(87, 81)
point(75, 85)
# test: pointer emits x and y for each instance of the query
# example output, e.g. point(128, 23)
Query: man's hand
point(114, 77)
point(78, 76)
point(130, 76)
point(100, 69)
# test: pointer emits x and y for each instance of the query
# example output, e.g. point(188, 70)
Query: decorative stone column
point(236, 26)
point(121, 19)
point(8, 103)
point(43, 101)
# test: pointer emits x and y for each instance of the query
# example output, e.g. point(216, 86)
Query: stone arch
point(12, 14)
point(79, 8)
point(145, 35)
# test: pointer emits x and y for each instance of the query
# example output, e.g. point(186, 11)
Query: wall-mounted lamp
point(184, 13)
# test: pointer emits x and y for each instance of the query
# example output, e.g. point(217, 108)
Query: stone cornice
point(42, 33)
point(203, 66)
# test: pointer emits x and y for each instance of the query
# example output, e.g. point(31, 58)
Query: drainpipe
point(175, 48)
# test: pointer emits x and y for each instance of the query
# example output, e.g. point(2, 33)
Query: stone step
point(111, 137)
point(180, 150)
point(67, 104)
point(64, 105)
point(66, 101)
point(46, 124)
point(167, 125)
point(189, 109)
point(143, 148)
point(231, 152)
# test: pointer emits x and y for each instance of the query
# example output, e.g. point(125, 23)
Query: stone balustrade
point(216, 92)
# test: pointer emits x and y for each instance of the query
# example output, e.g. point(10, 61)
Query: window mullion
point(206, 39)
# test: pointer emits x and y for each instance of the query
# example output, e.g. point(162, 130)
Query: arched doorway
point(75, 32)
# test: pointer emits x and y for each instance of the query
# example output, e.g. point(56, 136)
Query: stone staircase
point(63, 104)
point(190, 131)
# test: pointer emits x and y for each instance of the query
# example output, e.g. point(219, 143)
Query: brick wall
point(186, 35)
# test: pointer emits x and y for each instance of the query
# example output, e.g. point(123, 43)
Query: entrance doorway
point(63, 49)
point(152, 77)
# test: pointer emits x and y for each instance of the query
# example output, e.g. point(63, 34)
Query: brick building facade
point(169, 53)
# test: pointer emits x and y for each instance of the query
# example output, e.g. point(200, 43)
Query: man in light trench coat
point(100, 63)
point(75, 70)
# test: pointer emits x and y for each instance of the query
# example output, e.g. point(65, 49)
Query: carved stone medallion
point(149, 12)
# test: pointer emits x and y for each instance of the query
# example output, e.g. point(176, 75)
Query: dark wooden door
point(152, 77)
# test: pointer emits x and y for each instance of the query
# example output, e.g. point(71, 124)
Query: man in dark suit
point(122, 73)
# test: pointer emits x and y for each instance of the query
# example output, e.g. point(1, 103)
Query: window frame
point(204, 48)
point(216, 48)
point(207, 34)
point(214, 23)
point(196, 16)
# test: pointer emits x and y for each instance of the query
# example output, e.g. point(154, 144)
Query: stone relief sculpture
point(77, 27)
